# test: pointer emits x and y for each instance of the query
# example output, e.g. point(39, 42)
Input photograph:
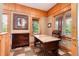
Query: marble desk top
point(46, 38)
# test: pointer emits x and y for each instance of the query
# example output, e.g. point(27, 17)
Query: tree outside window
point(4, 23)
point(67, 24)
point(35, 26)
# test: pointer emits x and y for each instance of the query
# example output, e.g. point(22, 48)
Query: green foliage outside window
point(35, 27)
point(66, 24)
point(67, 27)
point(56, 24)
point(4, 23)
point(4, 28)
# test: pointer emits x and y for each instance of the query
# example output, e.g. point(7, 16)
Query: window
point(35, 26)
point(63, 23)
point(4, 23)
point(56, 24)
point(67, 23)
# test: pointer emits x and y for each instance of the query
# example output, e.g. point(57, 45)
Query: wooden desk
point(49, 43)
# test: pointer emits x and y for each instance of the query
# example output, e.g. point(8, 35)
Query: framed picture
point(49, 25)
point(20, 22)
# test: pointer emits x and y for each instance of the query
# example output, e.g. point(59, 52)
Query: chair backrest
point(56, 33)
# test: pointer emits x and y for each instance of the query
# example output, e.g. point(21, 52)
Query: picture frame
point(20, 22)
point(49, 25)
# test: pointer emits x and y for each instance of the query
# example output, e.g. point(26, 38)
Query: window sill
point(2, 33)
point(68, 37)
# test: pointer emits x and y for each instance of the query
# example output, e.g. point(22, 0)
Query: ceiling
point(41, 6)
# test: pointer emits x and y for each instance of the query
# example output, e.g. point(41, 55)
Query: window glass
point(56, 23)
point(4, 23)
point(67, 23)
point(64, 23)
point(35, 26)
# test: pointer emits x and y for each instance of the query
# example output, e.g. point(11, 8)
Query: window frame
point(37, 19)
point(7, 22)
point(60, 22)
point(69, 11)
point(8, 19)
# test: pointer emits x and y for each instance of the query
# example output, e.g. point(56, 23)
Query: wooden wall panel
point(9, 8)
point(56, 10)
point(37, 12)
point(59, 8)
point(31, 12)
point(0, 44)
point(4, 44)
point(20, 8)
point(74, 29)
point(5, 7)
point(1, 48)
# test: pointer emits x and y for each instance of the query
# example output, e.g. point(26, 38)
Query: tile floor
point(28, 51)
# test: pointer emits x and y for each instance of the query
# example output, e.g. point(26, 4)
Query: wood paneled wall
point(61, 8)
point(4, 44)
point(9, 8)
point(24, 9)
point(31, 12)
point(74, 15)
point(57, 9)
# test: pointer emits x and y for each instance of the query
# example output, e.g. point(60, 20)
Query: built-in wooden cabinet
point(20, 40)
